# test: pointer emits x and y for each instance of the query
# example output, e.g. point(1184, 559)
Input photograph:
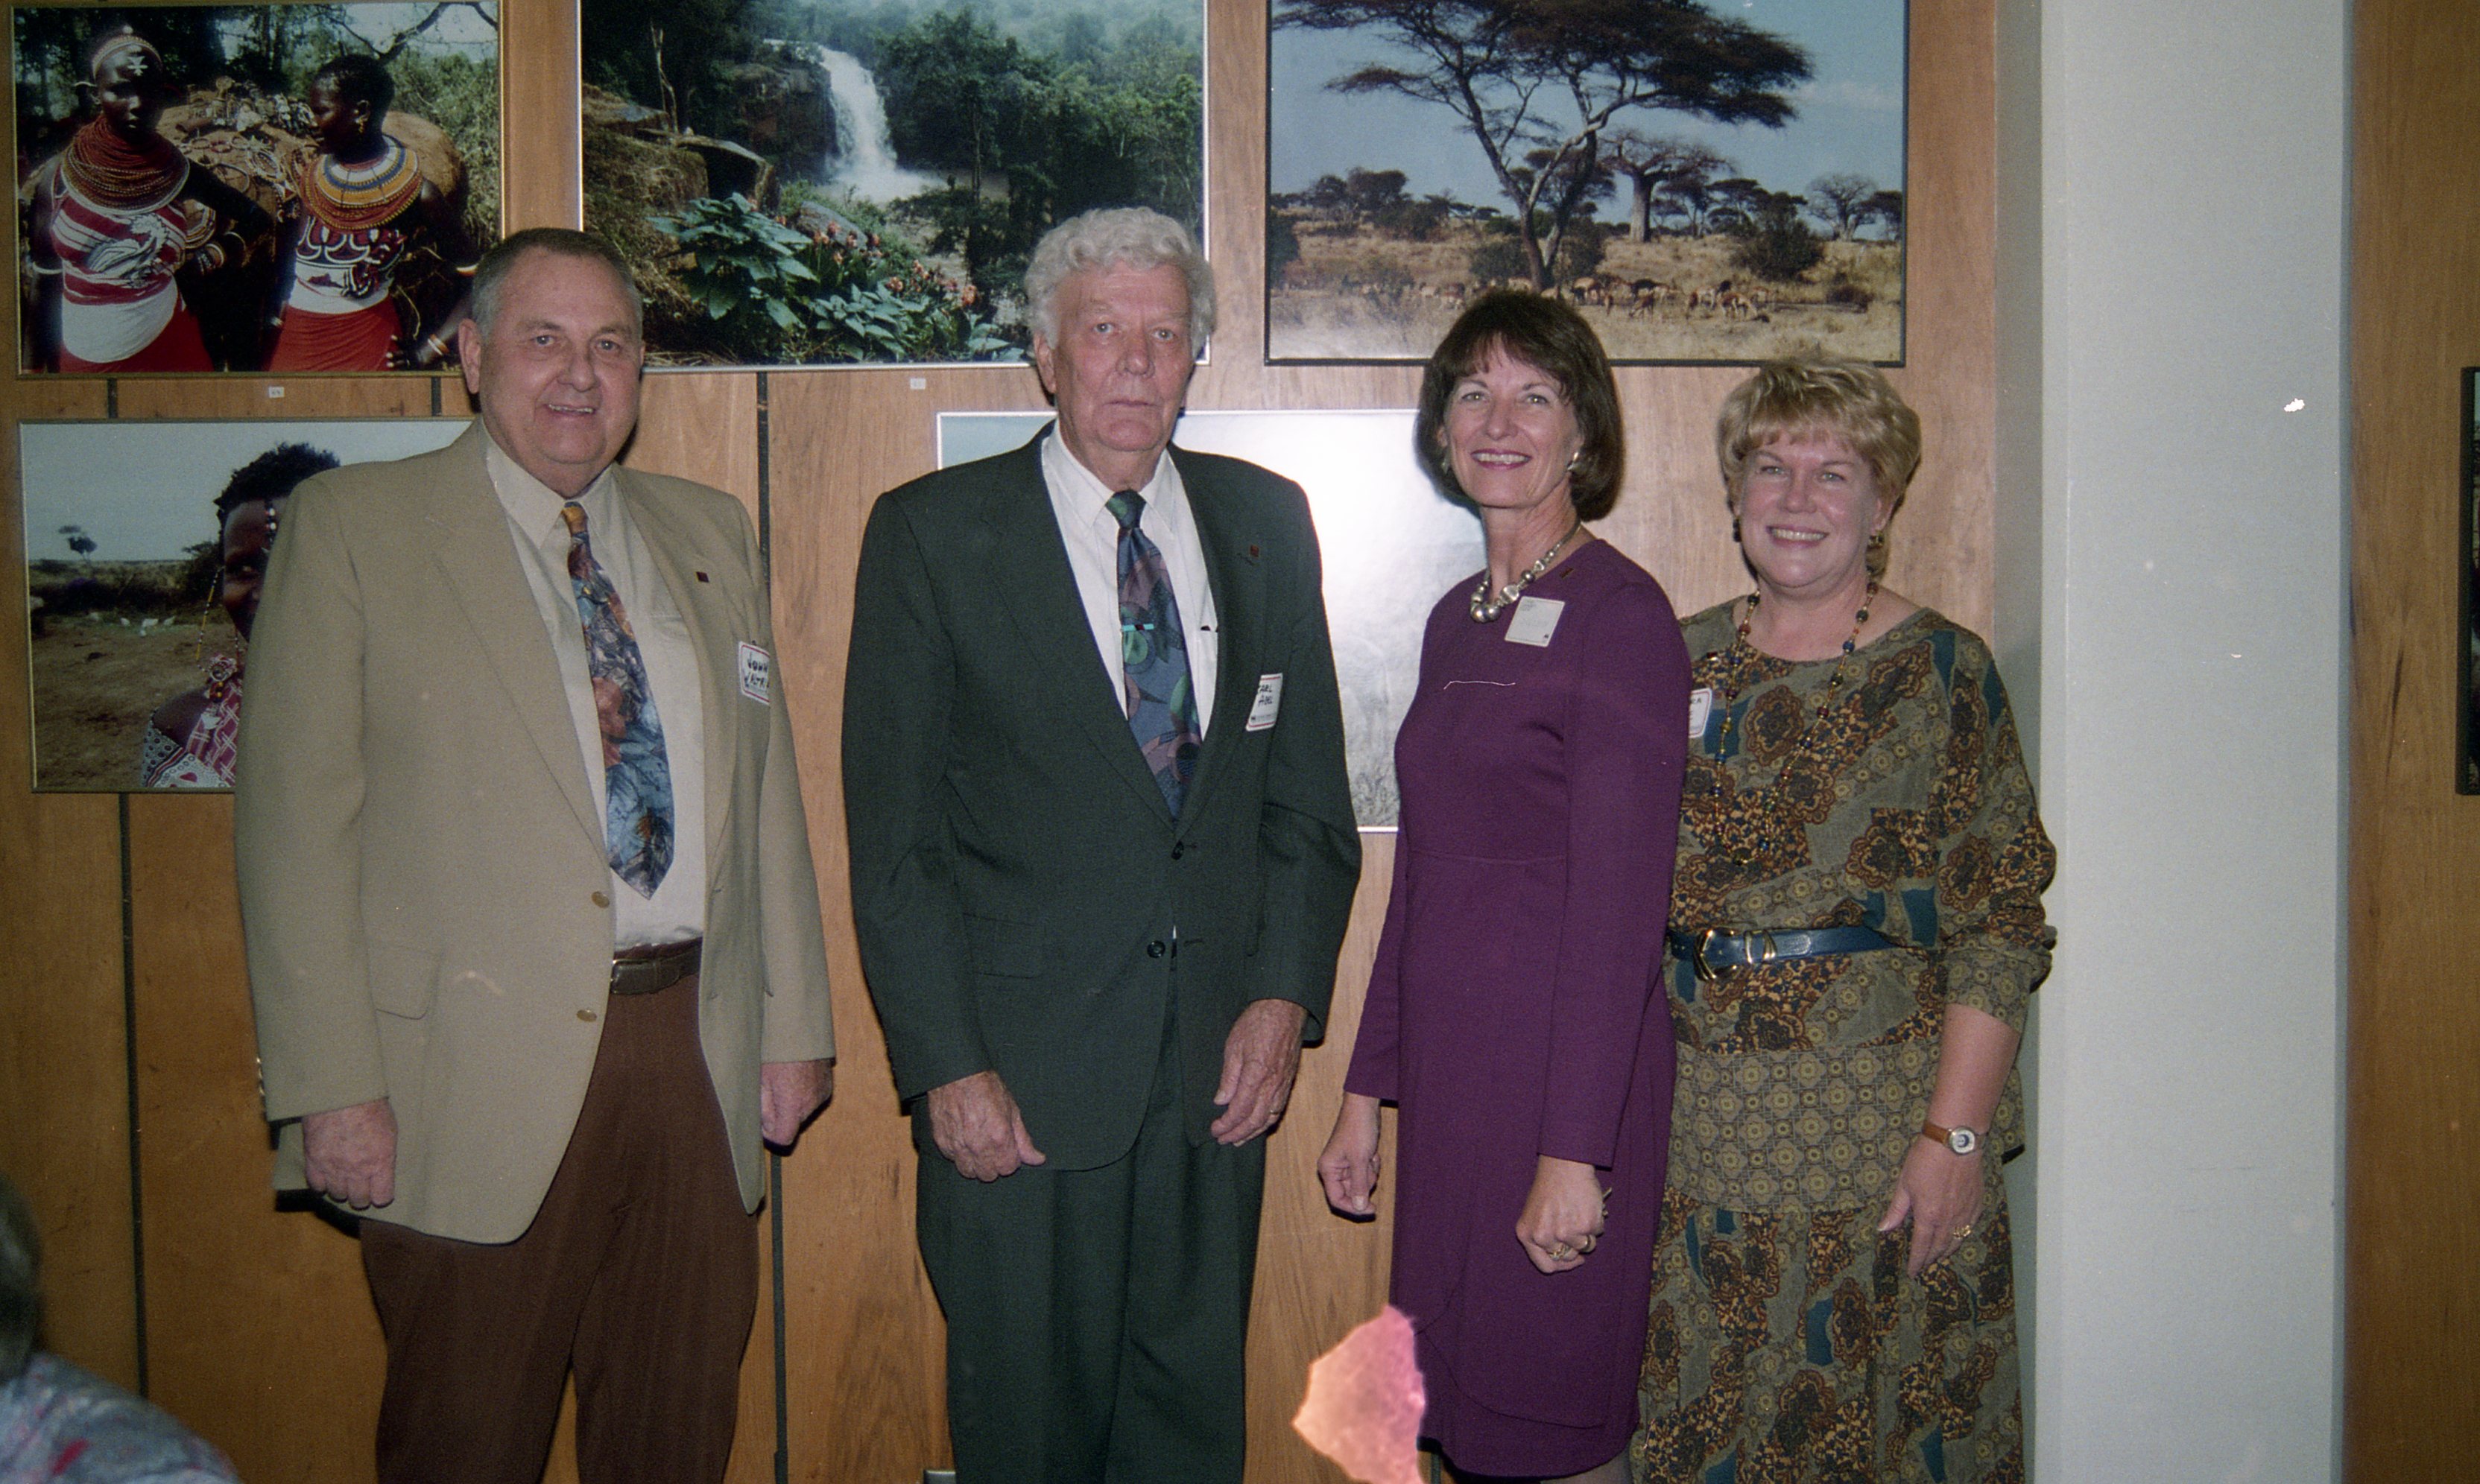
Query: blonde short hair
point(1804, 395)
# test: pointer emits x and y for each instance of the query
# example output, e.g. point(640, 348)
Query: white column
point(2187, 542)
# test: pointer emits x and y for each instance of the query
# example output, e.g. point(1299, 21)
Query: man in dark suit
point(1102, 854)
point(533, 938)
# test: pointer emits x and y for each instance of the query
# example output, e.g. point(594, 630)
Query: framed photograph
point(145, 546)
point(1708, 181)
point(2467, 740)
point(1391, 544)
point(273, 188)
point(860, 182)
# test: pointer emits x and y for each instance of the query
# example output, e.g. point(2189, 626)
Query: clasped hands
point(975, 1123)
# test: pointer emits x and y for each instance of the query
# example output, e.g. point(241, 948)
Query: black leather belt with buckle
point(1713, 953)
point(655, 967)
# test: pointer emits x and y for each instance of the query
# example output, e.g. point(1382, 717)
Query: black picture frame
point(2466, 731)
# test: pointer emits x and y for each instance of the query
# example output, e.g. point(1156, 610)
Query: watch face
point(1962, 1141)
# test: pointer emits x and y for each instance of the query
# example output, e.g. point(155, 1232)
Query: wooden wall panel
point(2411, 1324)
point(258, 1325)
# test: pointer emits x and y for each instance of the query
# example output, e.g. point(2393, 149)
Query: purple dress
point(1514, 1009)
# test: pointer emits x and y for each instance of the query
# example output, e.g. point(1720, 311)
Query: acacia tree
point(1886, 208)
point(1498, 65)
point(1657, 165)
point(1842, 202)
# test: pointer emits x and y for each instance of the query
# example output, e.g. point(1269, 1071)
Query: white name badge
point(1700, 710)
point(1536, 619)
point(1269, 702)
point(757, 673)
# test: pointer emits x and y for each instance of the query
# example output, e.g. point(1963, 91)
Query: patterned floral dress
point(1786, 1343)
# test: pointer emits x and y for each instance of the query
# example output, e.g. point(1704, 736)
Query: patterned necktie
point(1154, 656)
point(636, 778)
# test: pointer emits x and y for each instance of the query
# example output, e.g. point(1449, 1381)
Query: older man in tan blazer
point(521, 999)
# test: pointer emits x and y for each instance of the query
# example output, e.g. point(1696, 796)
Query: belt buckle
point(1706, 972)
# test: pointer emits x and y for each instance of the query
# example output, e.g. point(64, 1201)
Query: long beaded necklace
point(1485, 607)
point(117, 175)
point(1746, 654)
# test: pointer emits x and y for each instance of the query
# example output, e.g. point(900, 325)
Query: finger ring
point(1562, 1252)
point(1965, 1230)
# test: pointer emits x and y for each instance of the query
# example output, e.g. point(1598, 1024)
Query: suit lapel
point(478, 561)
point(1233, 567)
point(667, 542)
point(1040, 592)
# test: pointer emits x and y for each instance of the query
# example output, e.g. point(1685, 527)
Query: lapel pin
point(701, 577)
point(1252, 550)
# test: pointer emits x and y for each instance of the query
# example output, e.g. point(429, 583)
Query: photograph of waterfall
point(1705, 180)
point(860, 182)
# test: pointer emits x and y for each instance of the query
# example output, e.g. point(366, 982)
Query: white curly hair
point(1117, 236)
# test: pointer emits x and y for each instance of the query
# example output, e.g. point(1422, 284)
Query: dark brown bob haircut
point(1548, 335)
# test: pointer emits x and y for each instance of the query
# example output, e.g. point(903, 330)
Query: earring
point(1734, 530)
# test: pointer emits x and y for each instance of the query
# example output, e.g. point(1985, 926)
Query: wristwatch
point(1960, 1140)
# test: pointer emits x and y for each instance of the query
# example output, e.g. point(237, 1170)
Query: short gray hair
point(1117, 236)
point(492, 273)
point(21, 1290)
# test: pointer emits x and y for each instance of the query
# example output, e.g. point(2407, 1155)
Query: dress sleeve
point(1993, 855)
point(1375, 1071)
point(1626, 747)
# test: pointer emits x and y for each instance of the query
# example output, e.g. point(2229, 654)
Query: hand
point(350, 1153)
point(974, 1123)
point(1260, 1057)
point(1349, 1166)
point(1939, 1192)
point(789, 1093)
point(1562, 1214)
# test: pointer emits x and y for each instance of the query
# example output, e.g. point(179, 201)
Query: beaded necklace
point(1484, 608)
point(355, 197)
point(117, 175)
point(1746, 654)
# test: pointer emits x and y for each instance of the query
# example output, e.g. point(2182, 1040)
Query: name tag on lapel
point(756, 674)
point(1536, 619)
point(1700, 712)
point(1269, 702)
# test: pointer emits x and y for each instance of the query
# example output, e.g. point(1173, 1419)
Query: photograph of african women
point(859, 182)
point(2466, 751)
point(147, 547)
point(1390, 542)
point(1705, 180)
point(274, 188)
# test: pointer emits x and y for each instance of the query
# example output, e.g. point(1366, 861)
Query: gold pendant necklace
point(1485, 607)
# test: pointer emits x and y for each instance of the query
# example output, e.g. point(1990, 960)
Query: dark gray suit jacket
point(1025, 902)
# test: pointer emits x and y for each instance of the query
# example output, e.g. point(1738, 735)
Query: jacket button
point(1179, 849)
point(1157, 948)
point(601, 899)
point(586, 1015)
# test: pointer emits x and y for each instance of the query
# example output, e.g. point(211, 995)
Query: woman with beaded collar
point(362, 203)
point(119, 214)
point(1855, 926)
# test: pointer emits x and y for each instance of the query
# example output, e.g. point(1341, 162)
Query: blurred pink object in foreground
point(1363, 1409)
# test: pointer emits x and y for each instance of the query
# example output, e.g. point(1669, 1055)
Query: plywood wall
point(127, 1102)
point(2412, 1326)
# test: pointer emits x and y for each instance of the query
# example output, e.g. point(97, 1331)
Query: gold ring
point(1965, 1230)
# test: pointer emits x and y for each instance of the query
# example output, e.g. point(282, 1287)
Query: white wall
point(2190, 551)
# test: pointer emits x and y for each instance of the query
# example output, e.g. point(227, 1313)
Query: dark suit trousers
point(640, 1272)
point(1095, 1318)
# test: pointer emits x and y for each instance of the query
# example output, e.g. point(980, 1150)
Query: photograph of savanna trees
point(273, 188)
point(1706, 180)
point(841, 182)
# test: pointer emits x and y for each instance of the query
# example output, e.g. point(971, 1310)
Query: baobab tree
point(1498, 65)
point(1656, 165)
point(1841, 200)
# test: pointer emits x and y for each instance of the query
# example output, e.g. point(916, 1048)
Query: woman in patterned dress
point(117, 218)
point(362, 204)
point(188, 740)
point(1512, 1016)
point(1856, 926)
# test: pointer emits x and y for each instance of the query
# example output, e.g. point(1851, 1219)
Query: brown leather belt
point(654, 966)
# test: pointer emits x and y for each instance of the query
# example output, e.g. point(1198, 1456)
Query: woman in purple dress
point(1512, 1016)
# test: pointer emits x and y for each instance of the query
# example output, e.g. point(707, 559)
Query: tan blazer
point(423, 882)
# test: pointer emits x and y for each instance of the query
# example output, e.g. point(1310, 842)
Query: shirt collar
point(535, 505)
point(1086, 490)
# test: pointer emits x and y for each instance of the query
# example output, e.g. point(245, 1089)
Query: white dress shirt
point(1081, 502)
point(677, 907)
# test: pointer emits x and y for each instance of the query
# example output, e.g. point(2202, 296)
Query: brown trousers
point(639, 1274)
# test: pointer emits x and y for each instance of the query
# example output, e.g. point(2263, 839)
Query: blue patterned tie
point(636, 778)
point(1154, 656)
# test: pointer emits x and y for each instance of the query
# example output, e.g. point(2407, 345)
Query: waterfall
point(866, 165)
